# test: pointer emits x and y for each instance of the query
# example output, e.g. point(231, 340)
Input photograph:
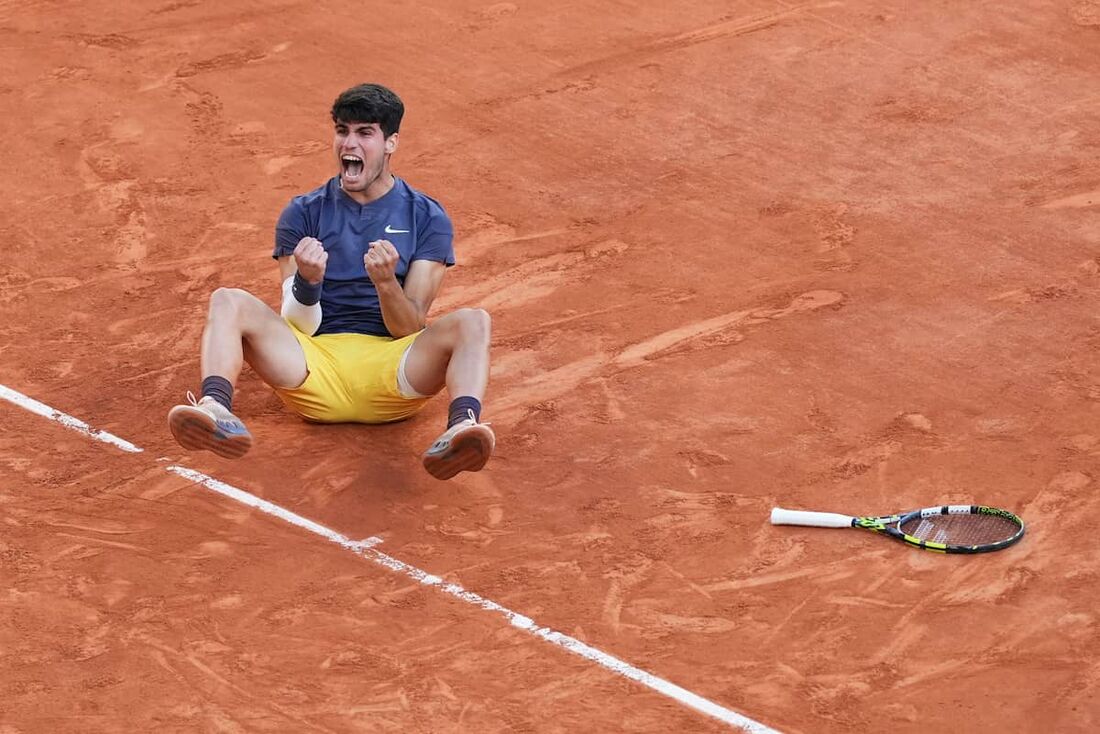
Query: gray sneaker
point(206, 424)
point(465, 446)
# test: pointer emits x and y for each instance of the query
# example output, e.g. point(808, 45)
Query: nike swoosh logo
point(391, 230)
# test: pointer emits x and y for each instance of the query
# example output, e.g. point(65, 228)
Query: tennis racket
point(946, 529)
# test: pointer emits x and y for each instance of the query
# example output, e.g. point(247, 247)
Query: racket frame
point(890, 525)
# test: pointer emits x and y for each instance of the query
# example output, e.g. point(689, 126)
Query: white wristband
point(305, 319)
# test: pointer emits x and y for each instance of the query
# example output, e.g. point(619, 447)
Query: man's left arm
point(404, 310)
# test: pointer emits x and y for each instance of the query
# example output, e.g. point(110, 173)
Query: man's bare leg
point(454, 351)
point(239, 328)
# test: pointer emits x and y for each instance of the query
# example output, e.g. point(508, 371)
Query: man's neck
point(378, 188)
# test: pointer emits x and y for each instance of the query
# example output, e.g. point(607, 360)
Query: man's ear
point(391, 143)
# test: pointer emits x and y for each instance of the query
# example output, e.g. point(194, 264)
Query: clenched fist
point(311, 259)
point(380, 261)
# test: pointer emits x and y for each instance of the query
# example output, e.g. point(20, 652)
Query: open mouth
point(353, 166)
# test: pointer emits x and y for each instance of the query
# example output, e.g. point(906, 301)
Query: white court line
point(365, 549)
point(66, 420)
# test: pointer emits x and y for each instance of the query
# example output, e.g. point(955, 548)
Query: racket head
point(957, 528)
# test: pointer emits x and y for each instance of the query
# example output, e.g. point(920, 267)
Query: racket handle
point(811, 519)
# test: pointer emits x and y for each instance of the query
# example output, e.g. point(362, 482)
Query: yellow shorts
point(352, 379)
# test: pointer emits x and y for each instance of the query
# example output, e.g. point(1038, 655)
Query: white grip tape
point(810, 519)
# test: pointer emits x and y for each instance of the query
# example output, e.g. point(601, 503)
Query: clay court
point(835, 255)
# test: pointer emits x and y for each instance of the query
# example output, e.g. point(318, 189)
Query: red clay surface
point(829, 255)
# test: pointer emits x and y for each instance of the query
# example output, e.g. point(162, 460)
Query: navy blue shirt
point(416, 225)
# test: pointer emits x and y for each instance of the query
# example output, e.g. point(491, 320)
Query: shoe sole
point(195, 430)
point(469, 451)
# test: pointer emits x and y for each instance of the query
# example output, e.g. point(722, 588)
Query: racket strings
point(961, 529)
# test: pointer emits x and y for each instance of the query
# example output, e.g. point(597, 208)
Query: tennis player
point(361, 259)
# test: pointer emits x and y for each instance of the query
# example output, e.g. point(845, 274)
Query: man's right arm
point(303, 274)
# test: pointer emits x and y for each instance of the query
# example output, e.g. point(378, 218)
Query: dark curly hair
point(370, 103)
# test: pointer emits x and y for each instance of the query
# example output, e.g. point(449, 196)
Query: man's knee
point(229, 303)
point(474, 324)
